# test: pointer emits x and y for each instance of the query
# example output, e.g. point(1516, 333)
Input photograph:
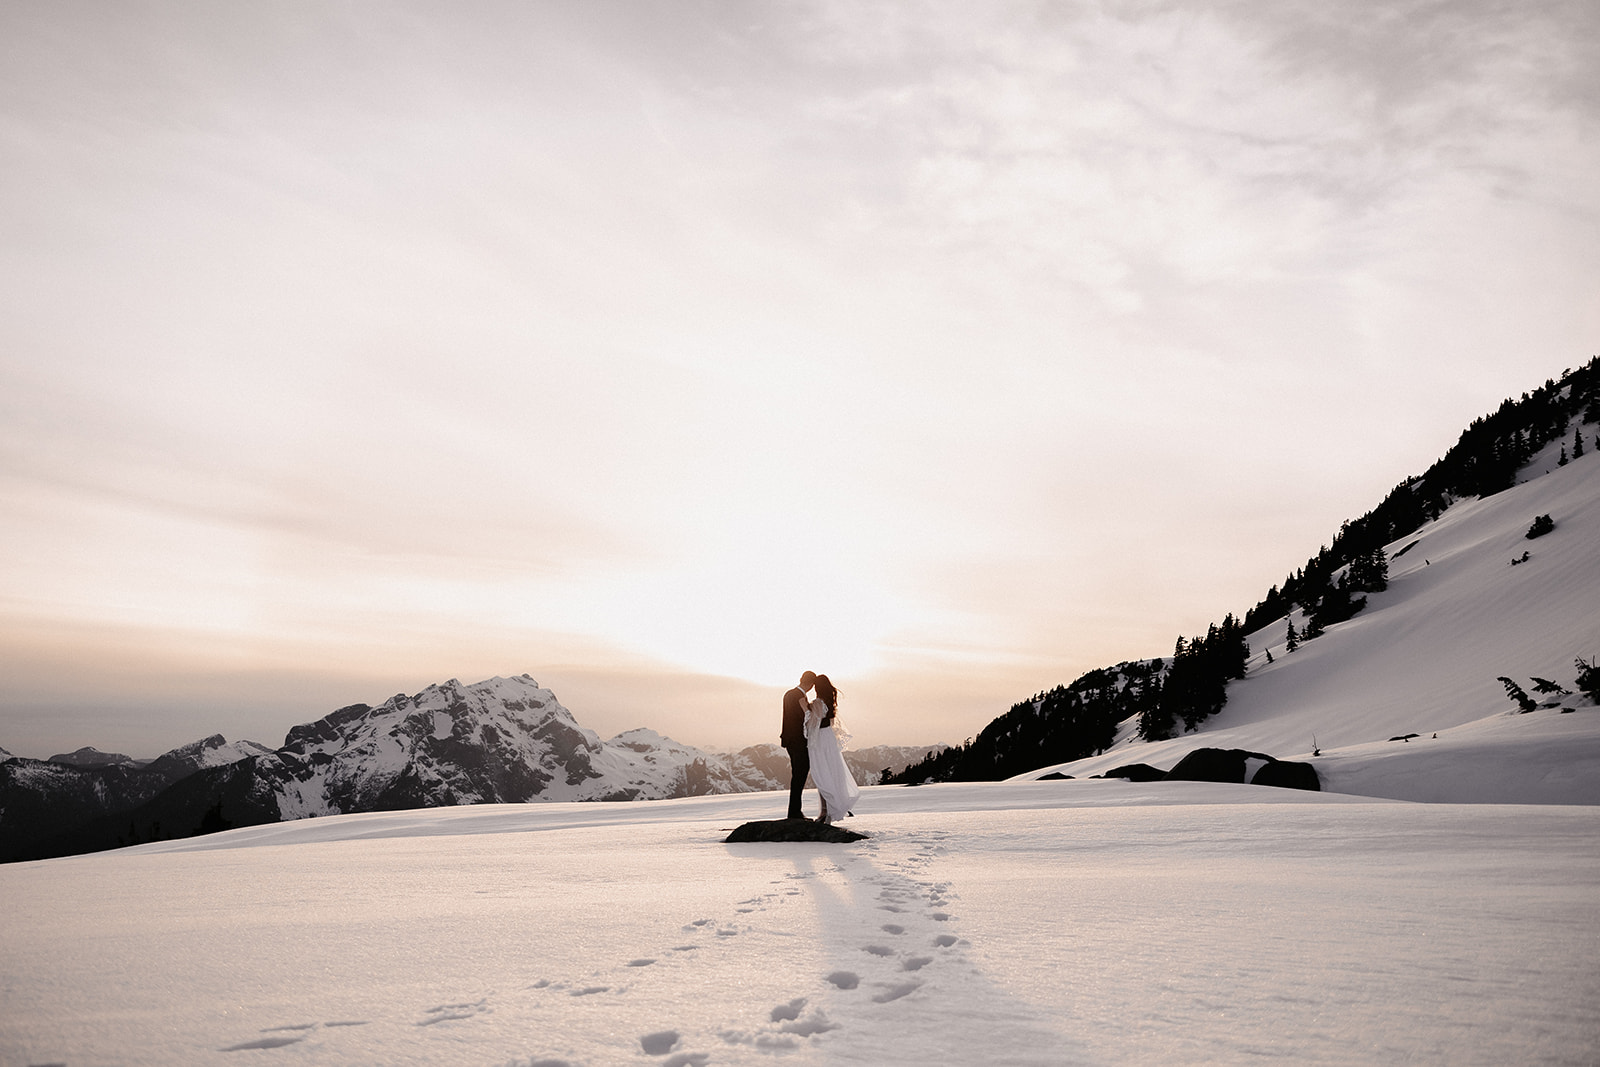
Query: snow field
point(1025, 923)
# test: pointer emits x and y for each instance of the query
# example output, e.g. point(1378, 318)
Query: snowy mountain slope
point(1424, 656)
point(500, 739)
point(41, 800)
point(213, 751)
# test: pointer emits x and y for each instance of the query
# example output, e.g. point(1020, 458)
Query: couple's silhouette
point(812, 735)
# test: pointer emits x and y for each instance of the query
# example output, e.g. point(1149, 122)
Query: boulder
point(1136, 772)
point(793, 830)
point(1054, 776)
point(1287, 774)
point(1214, 765)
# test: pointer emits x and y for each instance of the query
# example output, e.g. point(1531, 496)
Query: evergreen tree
point(1369, 571)
point(1577, 442)
point(1337, 605)
point(1515, 692)
point(1294, 639)
point(1588, 678)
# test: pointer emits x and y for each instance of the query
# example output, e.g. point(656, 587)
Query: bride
point(825, 739)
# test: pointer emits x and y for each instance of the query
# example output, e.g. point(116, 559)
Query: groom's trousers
point(799, 768)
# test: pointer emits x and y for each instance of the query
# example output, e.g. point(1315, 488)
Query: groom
point(794, 739)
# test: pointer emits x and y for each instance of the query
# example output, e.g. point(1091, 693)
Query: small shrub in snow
point(1541, 526)
point(1589, 678)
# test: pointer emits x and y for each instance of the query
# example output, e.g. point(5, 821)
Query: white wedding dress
point(829, 771)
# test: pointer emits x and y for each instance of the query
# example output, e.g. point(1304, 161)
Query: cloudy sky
point(665, 350)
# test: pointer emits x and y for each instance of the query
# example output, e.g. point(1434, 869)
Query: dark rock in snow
point(793, 830)
point(1288, 774)
point(1404, 737)
point(1214, 765)
point(1136, 772)
point(1234, 765)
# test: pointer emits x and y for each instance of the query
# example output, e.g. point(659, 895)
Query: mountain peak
point(89, 756)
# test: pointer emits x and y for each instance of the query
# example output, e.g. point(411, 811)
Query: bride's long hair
point(830, 696)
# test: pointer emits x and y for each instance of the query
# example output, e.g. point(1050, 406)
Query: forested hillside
point(1177, 694)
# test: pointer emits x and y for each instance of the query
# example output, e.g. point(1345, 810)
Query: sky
point(663, 351)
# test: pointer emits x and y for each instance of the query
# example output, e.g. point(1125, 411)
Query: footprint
point(845, 979)
point(916, 963)
point(940, 917)
point(688, 1059)
point(879, 950)
point(896, 992)
point(659, 1043)
point(892, 928)
point(264, 1042)
point(766, 1042)
point(298, 1026)
point(817, 1023)
point(347, 1022)
point(445, 1013)
point(945, 940)
point(589, 991)
point(640, 963)
point(789, 1011)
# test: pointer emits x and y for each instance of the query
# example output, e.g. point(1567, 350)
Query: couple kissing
point(812, 735)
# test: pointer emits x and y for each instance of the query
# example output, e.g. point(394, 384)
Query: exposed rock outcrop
point(793, 830)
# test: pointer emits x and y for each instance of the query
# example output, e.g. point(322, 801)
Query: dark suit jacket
point(794, 719)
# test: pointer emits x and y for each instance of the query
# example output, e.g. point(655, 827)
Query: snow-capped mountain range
point(501, 740)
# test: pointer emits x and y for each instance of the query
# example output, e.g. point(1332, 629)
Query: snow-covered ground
point(1031, 923)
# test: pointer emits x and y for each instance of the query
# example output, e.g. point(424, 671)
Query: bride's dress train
point(829, 771)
